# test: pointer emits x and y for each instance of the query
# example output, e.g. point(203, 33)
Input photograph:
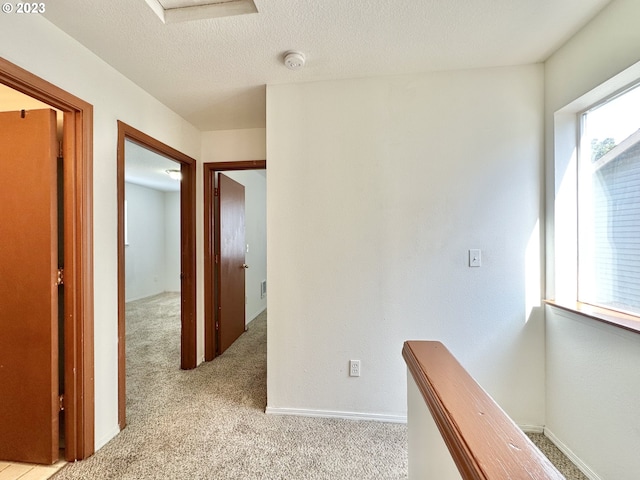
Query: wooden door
point(29, 405)
point(231, 271)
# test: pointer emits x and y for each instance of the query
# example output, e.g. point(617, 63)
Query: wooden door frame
point(78, 252)
point(210, 283)
point(188, 337)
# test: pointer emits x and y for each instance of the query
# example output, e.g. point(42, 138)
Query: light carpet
point(555, 455)
point(209, 423)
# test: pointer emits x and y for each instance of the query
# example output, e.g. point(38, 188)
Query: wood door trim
point(210, 169)
point(188, 337)
point(78, 248)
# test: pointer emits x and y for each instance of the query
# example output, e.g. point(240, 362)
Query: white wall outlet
point(475, 257)
point(354, 368)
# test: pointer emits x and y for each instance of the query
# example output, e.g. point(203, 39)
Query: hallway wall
point(376, 190)
point(152, 254)
point(33, 43)
point(593, 379)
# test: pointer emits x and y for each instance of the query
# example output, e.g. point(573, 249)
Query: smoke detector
point(294, 60)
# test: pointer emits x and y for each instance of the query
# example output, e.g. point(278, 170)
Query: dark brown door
point(231, 313)
point(28, 291)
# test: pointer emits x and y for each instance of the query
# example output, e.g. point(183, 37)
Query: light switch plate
point(475, 257)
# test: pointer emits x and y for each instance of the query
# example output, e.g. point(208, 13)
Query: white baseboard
point(106, 438)
point(532, 428)
point(376, 417)
point(255, 315)
point(148, 295)
point(571, 456)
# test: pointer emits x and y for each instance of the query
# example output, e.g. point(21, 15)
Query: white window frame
point(562, 247)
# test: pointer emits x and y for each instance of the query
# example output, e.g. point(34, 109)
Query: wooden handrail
point(483, 440)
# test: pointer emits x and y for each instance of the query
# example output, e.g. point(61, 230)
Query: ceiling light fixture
point(174, 11)
point(294, 60)
point(175, 174)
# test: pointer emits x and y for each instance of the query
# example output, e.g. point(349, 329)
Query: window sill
point(617, 319)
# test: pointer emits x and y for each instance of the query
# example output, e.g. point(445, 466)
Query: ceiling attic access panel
point(175, 11)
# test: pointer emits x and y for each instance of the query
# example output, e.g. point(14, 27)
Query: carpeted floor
point(559, 459)
point(209, 423)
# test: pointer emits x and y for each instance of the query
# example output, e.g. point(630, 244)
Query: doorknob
point(244, 265)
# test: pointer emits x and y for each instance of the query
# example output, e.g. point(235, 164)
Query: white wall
point(234, 145)
point(152, 256)
point(593, 387)
point(255, 216)
point(39, 47)
point(144, 252)
point(593, 379)
point(427, 453)
point(376, 190)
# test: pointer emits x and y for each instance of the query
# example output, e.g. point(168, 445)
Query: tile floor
point(25, 471)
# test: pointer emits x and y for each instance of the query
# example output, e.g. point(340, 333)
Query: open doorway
point(76, 368)
point(253, 255)
point(132, 142)
point(152, 223)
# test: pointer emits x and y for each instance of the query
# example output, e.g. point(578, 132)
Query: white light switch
point(475, 257)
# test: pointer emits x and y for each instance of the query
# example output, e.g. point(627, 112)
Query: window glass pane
point(609, 204)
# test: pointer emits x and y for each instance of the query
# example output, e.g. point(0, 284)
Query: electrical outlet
point(354, 368)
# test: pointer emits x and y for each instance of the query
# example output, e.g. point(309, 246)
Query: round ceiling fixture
point(175, 174)
point(294, 60)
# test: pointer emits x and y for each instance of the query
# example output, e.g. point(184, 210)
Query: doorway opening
point(151, 223)
point(215, 265)
point(129, 138)
point(77, 246)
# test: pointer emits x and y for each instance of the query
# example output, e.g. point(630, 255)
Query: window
point(609, 204)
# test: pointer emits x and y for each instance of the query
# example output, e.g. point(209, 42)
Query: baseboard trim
point(106, 438)
point(148, 295)
point(590, 474)
point(532, 428)
point(255, 315)
point(302, 412)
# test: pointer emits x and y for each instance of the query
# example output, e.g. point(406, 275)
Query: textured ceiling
point(213, 72)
